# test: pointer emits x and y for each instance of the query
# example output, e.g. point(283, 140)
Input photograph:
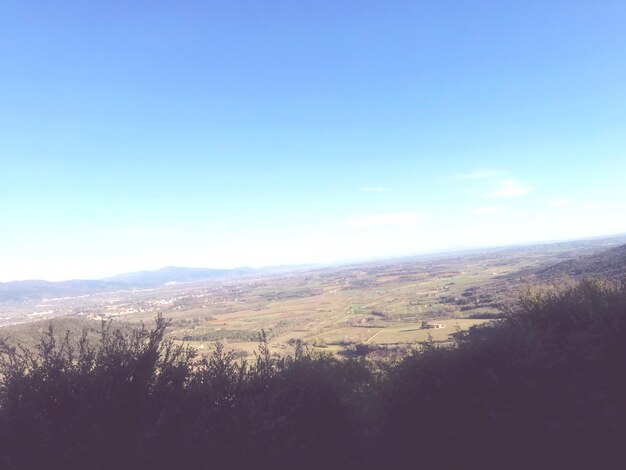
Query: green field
point(378, 304)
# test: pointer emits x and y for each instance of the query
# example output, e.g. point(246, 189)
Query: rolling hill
point(609, 264)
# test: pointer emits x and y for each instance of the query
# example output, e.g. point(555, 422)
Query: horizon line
point(339, 262)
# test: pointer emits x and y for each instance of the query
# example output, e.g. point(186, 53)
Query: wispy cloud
point(373, 189)
point(558, 202)
point(510, 188)
point(486, 210)
point(380, 220)
point(479, 174)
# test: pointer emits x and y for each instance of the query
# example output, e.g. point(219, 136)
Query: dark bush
point(543, 384)
point(546, 381)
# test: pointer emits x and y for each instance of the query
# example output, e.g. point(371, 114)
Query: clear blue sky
point(137, 134)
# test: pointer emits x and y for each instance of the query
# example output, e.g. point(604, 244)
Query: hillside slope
point(609, 264)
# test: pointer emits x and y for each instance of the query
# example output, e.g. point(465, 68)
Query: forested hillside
point(610, 263)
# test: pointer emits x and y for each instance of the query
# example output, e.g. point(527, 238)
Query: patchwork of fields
point(373, 307)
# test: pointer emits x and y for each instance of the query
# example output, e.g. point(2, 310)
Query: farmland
point(362, 308)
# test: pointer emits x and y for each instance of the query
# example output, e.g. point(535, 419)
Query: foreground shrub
point(138, 401)
point(543, 384)
point(546, 381)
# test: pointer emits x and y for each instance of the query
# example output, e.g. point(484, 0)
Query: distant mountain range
point(175, 274)
point(35, 290)
point(20, 291)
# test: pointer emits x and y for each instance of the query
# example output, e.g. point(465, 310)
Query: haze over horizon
point(147, 134)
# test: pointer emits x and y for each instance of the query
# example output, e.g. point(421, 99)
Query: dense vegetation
point(545, 383)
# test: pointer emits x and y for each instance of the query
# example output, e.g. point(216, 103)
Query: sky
point(140, 134)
